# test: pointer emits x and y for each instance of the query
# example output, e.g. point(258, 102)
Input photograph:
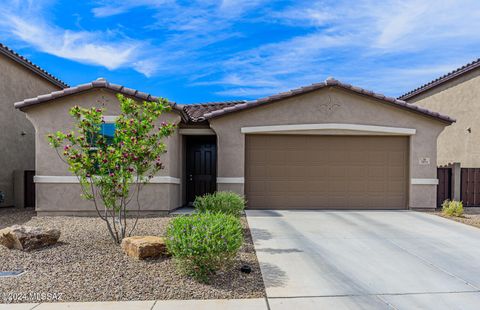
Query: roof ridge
point(442, 79)
point(5, 50)
point(328, 82)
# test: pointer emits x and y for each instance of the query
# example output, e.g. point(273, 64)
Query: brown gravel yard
point(87, 266)
point(471, 216)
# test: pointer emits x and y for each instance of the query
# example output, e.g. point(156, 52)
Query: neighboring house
point(328, 145)
point(456, 94)
point(19, 79)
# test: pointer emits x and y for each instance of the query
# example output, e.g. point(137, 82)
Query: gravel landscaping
point(87, 266)
point(471, 216)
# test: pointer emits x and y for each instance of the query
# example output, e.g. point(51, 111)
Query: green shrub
point(223, 202)
point(452, 208)
point(204, 243)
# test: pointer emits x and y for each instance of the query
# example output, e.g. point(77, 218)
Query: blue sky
point(196, 51)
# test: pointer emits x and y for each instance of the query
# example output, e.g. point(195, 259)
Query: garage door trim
point(330, 126)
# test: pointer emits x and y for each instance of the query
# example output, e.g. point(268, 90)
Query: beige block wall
point(460, 99)
point(350, 108)
point(53, 116)
point(18, 151)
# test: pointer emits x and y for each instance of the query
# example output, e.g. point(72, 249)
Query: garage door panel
point(356, 187)
point(337, 171)
point(316, 170)
point(396, 172)
point(347, 172)
point(376, 186)
point(396, 158)
point(377, 158)
point(315, 186)
point(394, 186)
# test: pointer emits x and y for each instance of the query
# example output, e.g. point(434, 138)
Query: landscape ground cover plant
point(204, 243)
point(452, 208)
point(471, 216)
point(223, 202)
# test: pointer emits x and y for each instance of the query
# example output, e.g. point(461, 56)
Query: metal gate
point(470, 187)
point(444, 188)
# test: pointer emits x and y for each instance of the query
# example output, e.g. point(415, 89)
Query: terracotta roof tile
point(195, 112)
point(444, 78)
point(31, 66)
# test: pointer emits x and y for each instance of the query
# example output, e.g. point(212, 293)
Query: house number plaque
point(424, 161)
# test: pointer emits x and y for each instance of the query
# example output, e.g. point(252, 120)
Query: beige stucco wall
point(460, 99)
point(313, 108)
point(52, 197)
point(18, 151)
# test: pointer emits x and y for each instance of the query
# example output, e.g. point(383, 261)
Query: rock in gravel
point(142, 247)
point(28, 238)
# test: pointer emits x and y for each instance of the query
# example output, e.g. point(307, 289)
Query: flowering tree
point(108, 161)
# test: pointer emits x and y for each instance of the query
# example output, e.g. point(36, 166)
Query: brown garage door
point(326, 172)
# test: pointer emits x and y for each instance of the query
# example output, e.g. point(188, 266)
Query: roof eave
point(441, 80)
point(332, 83)
point(98, 84)
point(30, 66)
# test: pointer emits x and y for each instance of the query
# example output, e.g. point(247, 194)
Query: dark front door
point(201, 166)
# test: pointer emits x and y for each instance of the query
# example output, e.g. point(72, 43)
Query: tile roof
point(196, 111)
point(204, 111)
point(31, 66)
point(330, 82)
point(447, 77)
point(98, 83)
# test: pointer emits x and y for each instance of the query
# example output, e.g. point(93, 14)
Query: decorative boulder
point(27, 238)
point(142, 247)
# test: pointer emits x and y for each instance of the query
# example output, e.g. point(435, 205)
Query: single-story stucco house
point(325, 146)
point(19, 79)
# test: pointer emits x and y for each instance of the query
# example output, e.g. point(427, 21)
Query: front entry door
point(201, 166)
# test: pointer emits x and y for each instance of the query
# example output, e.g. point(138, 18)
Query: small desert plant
point(452, 208)
point(221, 202)
point(203, 243)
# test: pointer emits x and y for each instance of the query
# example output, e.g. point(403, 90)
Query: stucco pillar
point(456, 181)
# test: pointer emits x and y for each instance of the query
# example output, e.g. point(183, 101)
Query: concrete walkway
point(366, 260)
point(220, 304)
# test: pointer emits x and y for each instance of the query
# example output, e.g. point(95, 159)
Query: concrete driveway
point(366, 260)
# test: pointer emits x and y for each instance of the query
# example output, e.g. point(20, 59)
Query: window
point(107, 131)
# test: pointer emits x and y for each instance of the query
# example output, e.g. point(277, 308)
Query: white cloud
point(366, 42)
point(27, 23)
point(386, 45)
point(247, 92)
point(112, 7)
point(81, 46)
